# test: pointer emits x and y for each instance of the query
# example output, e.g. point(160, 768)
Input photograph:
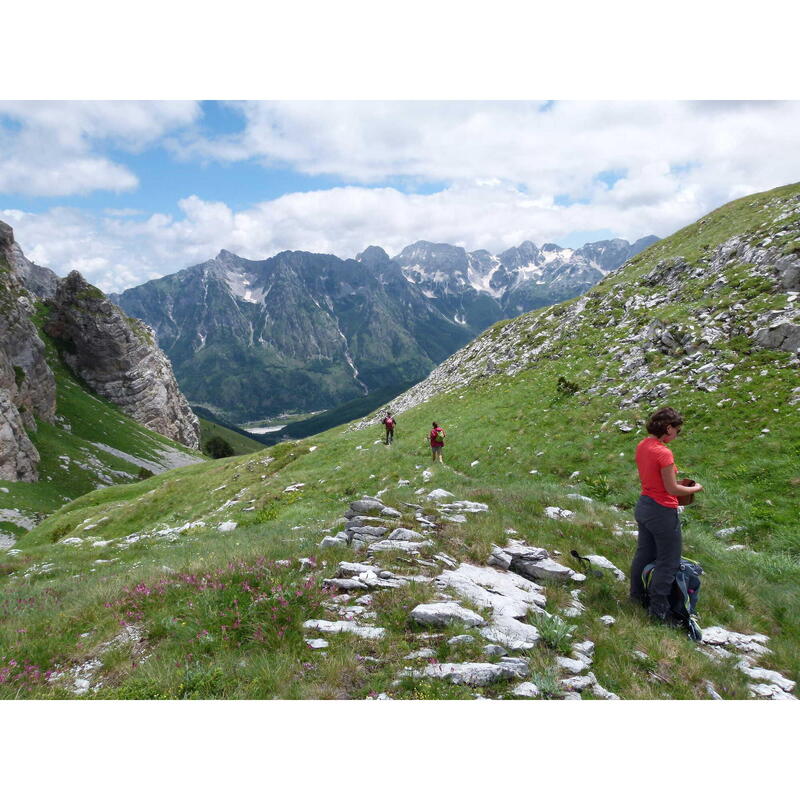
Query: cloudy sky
point(126, 191)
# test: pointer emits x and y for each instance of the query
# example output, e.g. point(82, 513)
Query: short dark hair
point(658, 422)
point(435, 424)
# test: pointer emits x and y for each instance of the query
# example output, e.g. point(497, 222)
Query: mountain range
point(306, 331)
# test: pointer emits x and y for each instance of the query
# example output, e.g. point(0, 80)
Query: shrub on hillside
point(217, 447)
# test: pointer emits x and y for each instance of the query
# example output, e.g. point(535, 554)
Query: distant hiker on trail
point(657, 513)
point(389, 423)
point(437, 442)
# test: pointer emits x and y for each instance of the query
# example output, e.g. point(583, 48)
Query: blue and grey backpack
point(683, 594)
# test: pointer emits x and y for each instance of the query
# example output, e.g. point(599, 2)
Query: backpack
point(389, 422)
point(439, 436)
point(683, 595)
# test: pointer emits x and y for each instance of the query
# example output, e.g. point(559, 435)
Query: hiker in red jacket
point(437, 442)
point(389, 423)
point(657, 512)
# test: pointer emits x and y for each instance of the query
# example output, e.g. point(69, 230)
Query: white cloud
point(51, 148)
point(504, 169)
point(118, 251)
point(557, 151)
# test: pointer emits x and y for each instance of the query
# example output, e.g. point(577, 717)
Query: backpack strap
point(680, 581)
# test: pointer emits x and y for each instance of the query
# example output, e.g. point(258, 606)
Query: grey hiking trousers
point(659, 541)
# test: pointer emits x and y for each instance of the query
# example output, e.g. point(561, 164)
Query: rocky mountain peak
point(373, 256)
point(438, 256)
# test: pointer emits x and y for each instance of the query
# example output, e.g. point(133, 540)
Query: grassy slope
point(240, 444)
point(70, 463)
point(194, 596)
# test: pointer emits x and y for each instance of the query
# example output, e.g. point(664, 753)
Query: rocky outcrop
point(27, 386)
point(39, 281)
point(118, 359)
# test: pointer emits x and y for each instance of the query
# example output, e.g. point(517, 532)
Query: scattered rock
point(407, 547)
point(441, 614)
point(579, 683)
point(511, 633)
point(752, 643)
point(526, 689)
point(724, 533)
point(504, 593)
point(604, 563)
point(405, 534)
point(366, 506)
point(464, 638)
point(535, 562)
point(344, 626)
point(573, 665)
point(425, 652)
point(608, 620)
point(765, 675)
point(554, 512)
point(472, 674)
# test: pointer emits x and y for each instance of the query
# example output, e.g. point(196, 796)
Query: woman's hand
point(673, 487)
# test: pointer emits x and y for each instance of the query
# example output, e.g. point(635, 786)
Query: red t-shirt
point(388, 422)
point(651, 457)
point(434, 443)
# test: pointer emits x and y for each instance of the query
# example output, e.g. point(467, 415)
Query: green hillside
point(141, 591)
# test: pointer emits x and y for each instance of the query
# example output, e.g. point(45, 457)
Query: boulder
point(463, 506)
point(367, 532)
point(766, 675)
point(526, 689)
point(366, 506)
point(407, 547)
point(604, 563)
point(534, 562)
point(405, 535)
point(746, 643)
point(503, 593)
point(425, 652)
point(579, 683)
point(511, 633)
point(344, 626)
point(573, 665)
point(779, 336)
point(464, 638)
point(554, 512)
point(359, 521)
point(441, 614)
point(348, 569)
point(438, 494)
point(472, 674)
point(770, 691)
point(345, 584)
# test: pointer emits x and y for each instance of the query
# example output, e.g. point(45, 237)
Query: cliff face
point(27, 386)
point(118, 359)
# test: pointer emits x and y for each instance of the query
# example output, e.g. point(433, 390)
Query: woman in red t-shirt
point(657, 512)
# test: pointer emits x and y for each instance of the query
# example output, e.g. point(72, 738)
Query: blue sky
point(126, 191)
